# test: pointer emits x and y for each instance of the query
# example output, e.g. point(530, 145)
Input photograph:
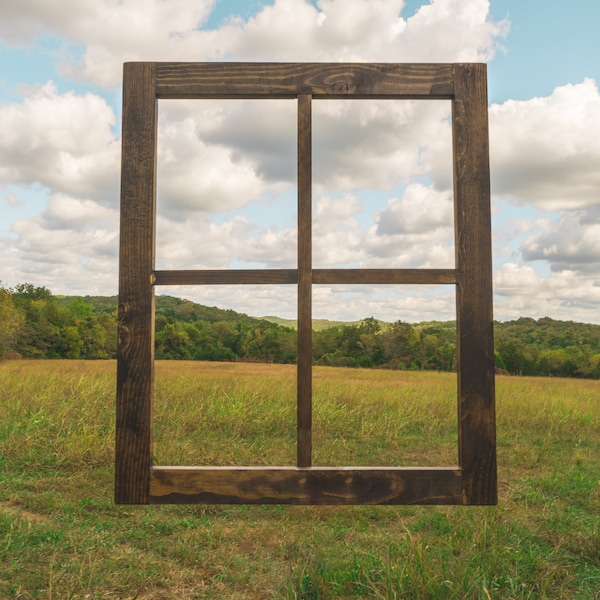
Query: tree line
point(34, 323)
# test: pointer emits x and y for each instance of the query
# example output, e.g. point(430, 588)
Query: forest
point(34, 323)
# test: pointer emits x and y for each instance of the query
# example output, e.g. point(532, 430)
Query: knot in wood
point(340, 87)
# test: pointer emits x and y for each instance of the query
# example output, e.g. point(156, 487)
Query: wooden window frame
point(474, 479)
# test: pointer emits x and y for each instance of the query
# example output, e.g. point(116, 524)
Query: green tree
point(516, 357)
point(173, 342)
point(11, 322)
point(395, 341)
point(73, 344)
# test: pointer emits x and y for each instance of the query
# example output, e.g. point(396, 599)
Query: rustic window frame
point(474, 479)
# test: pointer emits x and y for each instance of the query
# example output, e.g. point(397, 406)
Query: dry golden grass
point(61, 536)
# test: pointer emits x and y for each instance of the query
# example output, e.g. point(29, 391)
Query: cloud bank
point(226, 170)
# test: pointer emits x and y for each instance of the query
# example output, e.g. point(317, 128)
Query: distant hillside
point(177, 308)
point(101, 304)
point(186, 310)
point(317, 324)
point(37, 324)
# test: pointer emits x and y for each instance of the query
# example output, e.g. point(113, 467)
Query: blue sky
point(550, 44)
point(226, 170)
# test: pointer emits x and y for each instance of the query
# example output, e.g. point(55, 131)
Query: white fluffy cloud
point(199, 243)
point(108, 32)
point(63, 142)
point(572, 243)
point(215, 156)
point(420, 210)
point(564, 295)
point(217, 159)
point(367, 30)
point(411, 231)
point(258, 132)
point(378, 144)
point(388, 303)
point(71, 247)
point(193, 176)
point(112, 32)
point(414, 230)
point(218, 155)
point(546, 151)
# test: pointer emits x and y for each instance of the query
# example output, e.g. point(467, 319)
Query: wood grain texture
point(290, 276)
point(225, 277)
point(135, 352)
point(304, 362)
point(320, 80)
point(289, 485)
point(383, 276)
point(475, 480)
point(475, 336)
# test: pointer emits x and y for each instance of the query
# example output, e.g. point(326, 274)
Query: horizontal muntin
point(318, 276)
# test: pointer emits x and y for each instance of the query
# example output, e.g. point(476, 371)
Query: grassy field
point(61, 536)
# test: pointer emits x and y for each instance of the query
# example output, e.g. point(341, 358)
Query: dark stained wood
point(225, 277)
point(382, 276)
point(477, 434)
point(288, 80)
point(135, 352)
point(319, 276)
point(289, 485)
point(304, 363)
point(474, 480)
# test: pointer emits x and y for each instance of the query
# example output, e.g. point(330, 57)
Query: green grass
point(61, 536)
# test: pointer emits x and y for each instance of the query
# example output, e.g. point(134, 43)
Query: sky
point(382, 178)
